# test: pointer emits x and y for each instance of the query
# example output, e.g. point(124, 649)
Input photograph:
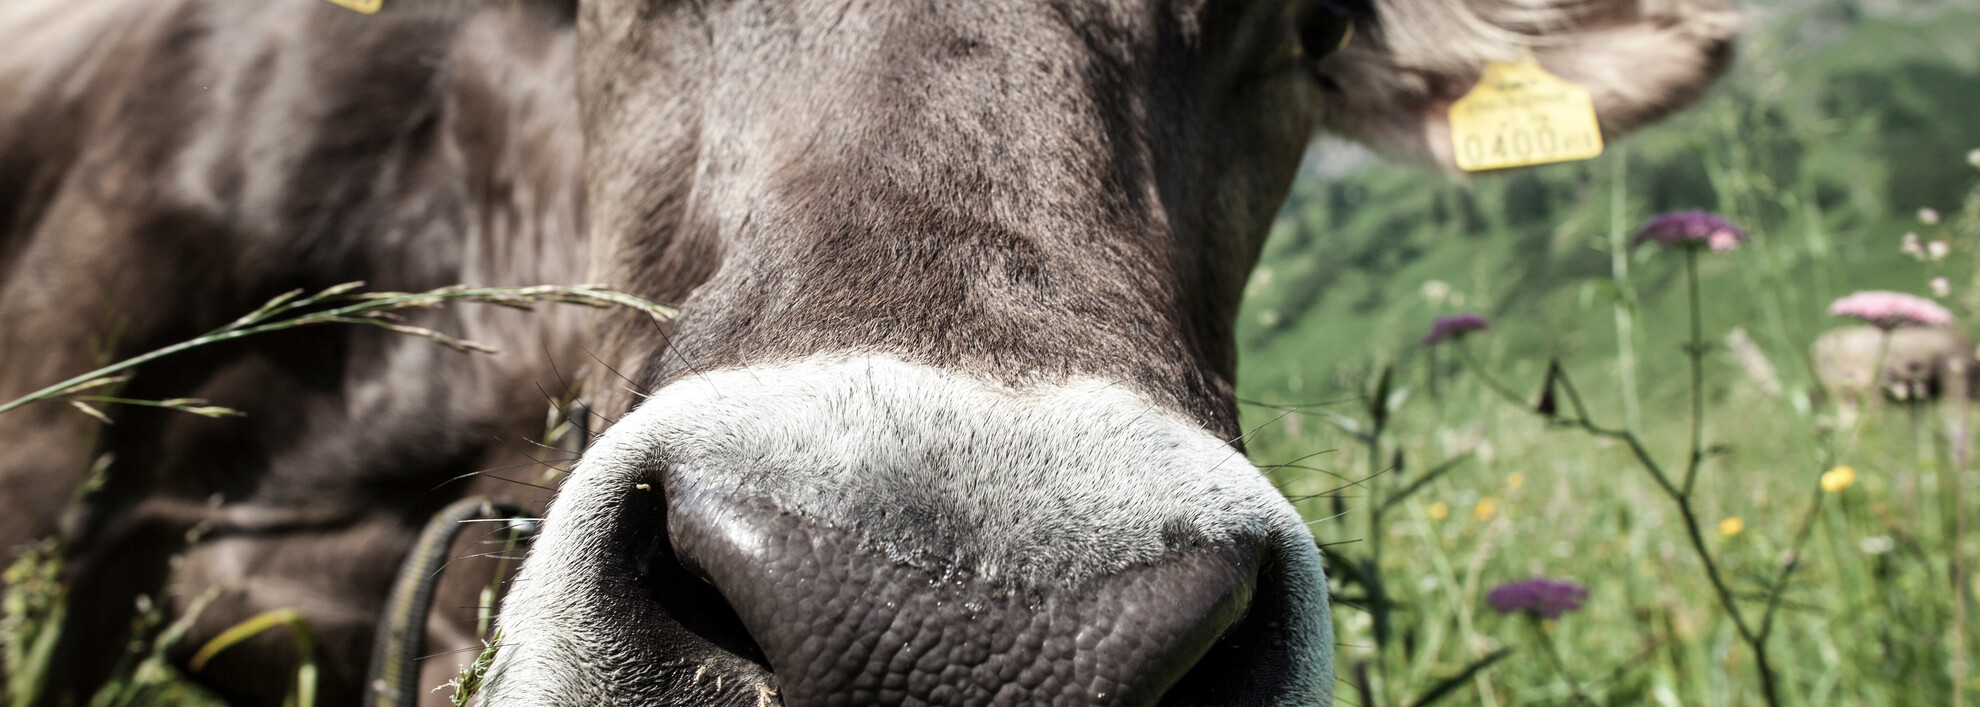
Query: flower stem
point(1755, 639)
point(1801, 534)
point(1959, 439)
point(1560, 666)
point(1378, 591)
point(1695, 351)
point(1471, 364)
point(1625, 304)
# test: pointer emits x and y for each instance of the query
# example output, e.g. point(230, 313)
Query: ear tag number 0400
point(1520, 115)
point(365, 6)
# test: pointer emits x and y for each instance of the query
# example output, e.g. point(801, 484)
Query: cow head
point(948, 417)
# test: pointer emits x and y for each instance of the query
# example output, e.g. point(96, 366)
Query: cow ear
point(1391, 87)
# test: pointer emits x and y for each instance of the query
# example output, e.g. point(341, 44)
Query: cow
point(947, 416)
point(1919, 363)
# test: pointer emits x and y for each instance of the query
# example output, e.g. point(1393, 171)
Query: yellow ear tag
point(365, 6)
point(1520, 115)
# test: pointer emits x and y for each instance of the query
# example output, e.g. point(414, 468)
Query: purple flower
point(1542, 598)
point(1454, 327)
point(1890, 310)
point(1691, 229)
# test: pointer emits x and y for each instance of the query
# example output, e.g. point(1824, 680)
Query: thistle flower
point(1690, 229)
point(1537, 597)
point(1454, 327)
point(1889, 310)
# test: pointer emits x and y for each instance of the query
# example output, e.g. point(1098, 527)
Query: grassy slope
point(1835, 129)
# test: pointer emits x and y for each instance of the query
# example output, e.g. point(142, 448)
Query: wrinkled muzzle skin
point(949, 418)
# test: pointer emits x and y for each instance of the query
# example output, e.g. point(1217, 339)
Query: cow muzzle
point(886, 533)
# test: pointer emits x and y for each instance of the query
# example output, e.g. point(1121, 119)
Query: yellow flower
point(1486, 508)
point(1838, 479)
point(1438, 511)
point(1515, 479)
point(1731, 526)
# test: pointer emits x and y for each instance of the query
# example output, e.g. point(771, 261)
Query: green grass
point(1826, 148)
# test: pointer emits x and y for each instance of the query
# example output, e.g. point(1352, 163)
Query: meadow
point(1431, 478)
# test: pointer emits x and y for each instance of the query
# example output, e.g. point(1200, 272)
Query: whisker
point(497, 554)
point(1323, 494)
point(1331, 517)
point(531, 462)
point(457, 650)
point(636, 388)
point(552, 360)
point(1299, 459)
point(1314, 469)
point(554, 401)
point(525, 483)
point(535, 443)
point(679, 354)
point(484, 536)
point(1234, 441)
point(1283, 406)
point(1260, 426)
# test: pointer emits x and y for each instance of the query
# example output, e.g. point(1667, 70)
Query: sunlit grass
point(1790, 147)
point(1864, 619)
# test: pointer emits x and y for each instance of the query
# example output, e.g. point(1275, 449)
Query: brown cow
point(1918, 363)
point(948, 418)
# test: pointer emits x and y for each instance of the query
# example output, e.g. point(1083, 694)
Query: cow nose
point(846, 618)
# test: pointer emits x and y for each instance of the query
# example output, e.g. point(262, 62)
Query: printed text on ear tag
point(364, 6)
point(1520, 115)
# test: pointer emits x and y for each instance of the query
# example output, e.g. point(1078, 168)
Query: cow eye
point(1326, 26)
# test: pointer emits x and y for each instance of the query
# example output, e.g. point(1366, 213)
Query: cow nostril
point(843, 619)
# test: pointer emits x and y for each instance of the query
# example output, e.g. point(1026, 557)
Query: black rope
point(401, 639)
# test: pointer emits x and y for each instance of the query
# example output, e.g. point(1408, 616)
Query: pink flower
point(1890, 310)
point(1454, 327)
point(1542, 598)
point(1691, 229)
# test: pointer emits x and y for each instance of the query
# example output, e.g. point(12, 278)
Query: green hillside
point(1841, 121)
point(1825, 140)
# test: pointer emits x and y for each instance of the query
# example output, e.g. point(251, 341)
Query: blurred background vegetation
point(1842, 120)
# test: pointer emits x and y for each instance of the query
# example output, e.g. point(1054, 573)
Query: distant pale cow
point(1920, 364)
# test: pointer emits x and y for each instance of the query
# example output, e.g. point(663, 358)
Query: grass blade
point(1449, 686)
point(306, 673)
